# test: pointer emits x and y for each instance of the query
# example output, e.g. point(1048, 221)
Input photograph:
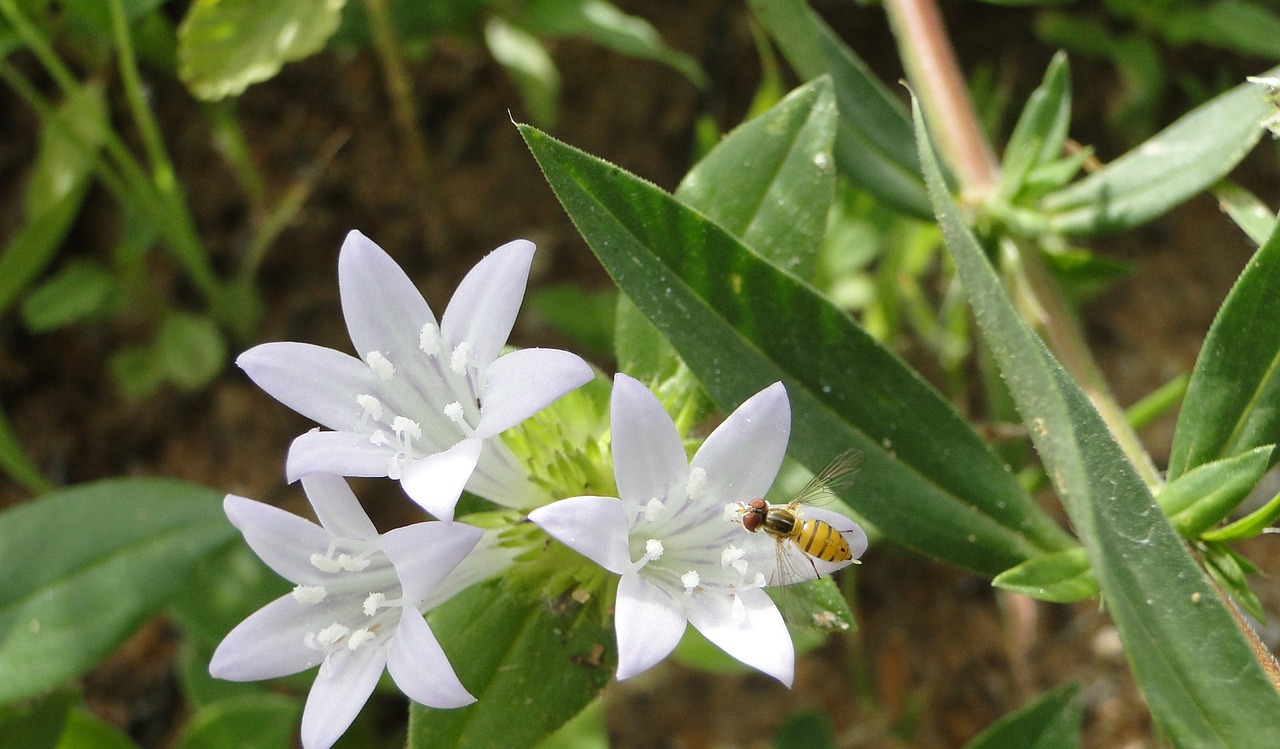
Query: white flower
point(681, 559)
point(355, 610)
point(423, 398)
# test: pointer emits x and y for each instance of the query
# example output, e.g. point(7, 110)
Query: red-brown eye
point(751, 521)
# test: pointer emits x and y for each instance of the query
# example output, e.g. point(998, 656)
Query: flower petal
point(648, 456)
point(649, 625)
point(483, 309)
point(340, 453)
point(436, 481)
point(595, 527)
point(341, 688)
point(487, 560)
point(385, 312)
point(754, 633)
point(420, 668)
point(281, 539)
point(425, 553)
point(317, 382)
point(521, 383)
point(270, 643)
point(742, 456)
point(798, 566)
point(337, 507)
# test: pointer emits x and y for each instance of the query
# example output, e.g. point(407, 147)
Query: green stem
point(1157, 402)
point(161, 166)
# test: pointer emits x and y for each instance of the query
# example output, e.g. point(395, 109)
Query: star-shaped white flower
point(681, 558)
point(423, 398)
point(355, 610)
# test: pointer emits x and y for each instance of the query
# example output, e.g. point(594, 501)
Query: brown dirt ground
point(938, 656)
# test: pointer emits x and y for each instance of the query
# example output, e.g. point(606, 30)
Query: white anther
point(697, 483)
point(360, 637)
point(429, 339)
point(406, 428)
point(330, 635)
point(458, 361)
point(379, 438)
point(733, 512)
point(352, 564)
point(653, 549)
point(372, 603)
point(309, 593)
point(380, 365)
point(690, 581)
point(732, 557)
point(370, 407)
point(453, 412)
point(325, 563)
point(652, 509)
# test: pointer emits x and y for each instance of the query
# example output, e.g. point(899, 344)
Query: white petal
point(755, 634)
point(648, 456)
point(595, 527)
point(337, 507)
point(385, 312)
point(341, 688)
point(649, 624)
point(742, 456)
point(281, 539)
point(317, 382)
point(487, 560)
point(483, 309)
point(339, 453)
point(425, 553)
point(436, 481)
point(524, 382)
point(270, 643)
point(420, 668)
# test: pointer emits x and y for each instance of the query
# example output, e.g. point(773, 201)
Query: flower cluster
point(422, 404)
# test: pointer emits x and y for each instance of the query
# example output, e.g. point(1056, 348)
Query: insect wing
point(827, 483)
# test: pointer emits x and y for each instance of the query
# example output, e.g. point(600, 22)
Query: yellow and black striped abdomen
point(820, 540)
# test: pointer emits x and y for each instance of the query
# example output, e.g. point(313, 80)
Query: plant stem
point(932, 68)
point(161, 167)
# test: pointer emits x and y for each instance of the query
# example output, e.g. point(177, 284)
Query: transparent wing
point(825, 484)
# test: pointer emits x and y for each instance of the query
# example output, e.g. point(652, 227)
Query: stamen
point(406, 427)
point(380, 365)
point(370, 408)
point(352, 564)
point(325, 563)
point(737, 609)
point(697, 483)
point(458, 361)
point(379, 438)
point(360, 637)
point(732, 556)
point(690, 581)
point(455, 414)
point(331, 635)
point(653, 549)
point(309, 594)
point(653, 508)
point(429, 339)
point(372, 603)
point(733, 512)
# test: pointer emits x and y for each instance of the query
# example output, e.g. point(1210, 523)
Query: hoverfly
point(818, 535)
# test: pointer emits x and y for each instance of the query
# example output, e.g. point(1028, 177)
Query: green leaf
point(1178, 162)
point(1060, 577)
point(84, 730)
point(587, 730)
point(225, 587)
point(190, 350)
point(1233, 402)
point(1041, 130)
point(874, 148)
point(640, 348)
point(1250, 214)
point(79, 291)
point(585, 317)
point(606, 25)
point(259, 721)
point(930, 482)
point(1248, 526)
point(1199, 498)
point(1228, 568)
point(1201, 680)
point(36, 725)
point(226, 45)
point(531, 669)
point(1245, 27)
point(85, 566)
point(1051, 722)
point(530, 66)
point(770, 182)
point(805, 729)
point(16, 463)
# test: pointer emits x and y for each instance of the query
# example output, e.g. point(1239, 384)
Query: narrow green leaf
point(1248, 526)
point(84, 730)
point(530, 66)
point(260, 721)
point(81, 290)
point(1060, 577)
point(1204, 686)
point(1176, 163)
point(930, 482)
point(1199, 498)
point(85, 566)
point(38, 724)
point(226, 45)
point(1051, 722)
point(770, 182)
point(874, 148)
point(639, 347)
point(530, 669)
point(1229, 569)
point(68, 150)
point(15, 462)
point(1233, 401)
point(1250, 214)
point(1041, 130)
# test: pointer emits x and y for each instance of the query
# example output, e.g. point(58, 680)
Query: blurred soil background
point(938, 655)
